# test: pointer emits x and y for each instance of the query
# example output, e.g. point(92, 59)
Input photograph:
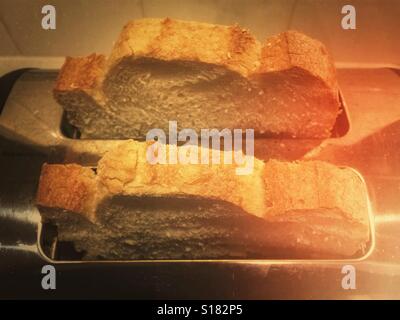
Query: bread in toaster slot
point(202, 76)
point(130, 209)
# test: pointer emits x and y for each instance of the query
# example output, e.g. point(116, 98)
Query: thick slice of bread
point(202, 76)
point(322, 202)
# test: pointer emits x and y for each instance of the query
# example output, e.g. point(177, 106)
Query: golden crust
point(167, 39)
point(293, 49)
point(314, 184)
point(126, 170)
point(83, 73)
point(227, 46)
point(70, 187)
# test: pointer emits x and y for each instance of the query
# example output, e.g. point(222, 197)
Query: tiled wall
point(85, 26)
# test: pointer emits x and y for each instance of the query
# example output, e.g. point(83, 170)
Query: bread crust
point(293, 49)
point(307, 185)
point(228, 46)
point(69, 187)
point(166, 39)
point(125, 170)
point(84, 73)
